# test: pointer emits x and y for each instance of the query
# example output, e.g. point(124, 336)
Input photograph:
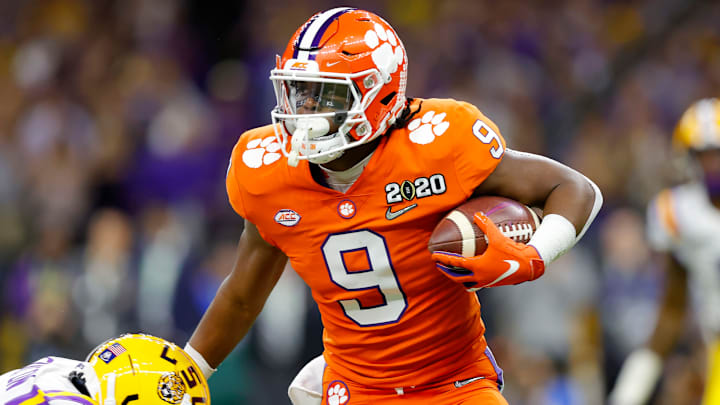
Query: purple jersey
point(46, 381)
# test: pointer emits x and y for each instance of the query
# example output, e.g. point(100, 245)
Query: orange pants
point(483, 391)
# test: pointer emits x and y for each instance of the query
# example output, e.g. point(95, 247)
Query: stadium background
point(117, 119)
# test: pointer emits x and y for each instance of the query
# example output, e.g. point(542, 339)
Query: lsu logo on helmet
point(171, 388)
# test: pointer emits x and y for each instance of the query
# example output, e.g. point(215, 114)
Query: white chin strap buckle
point(305, 130)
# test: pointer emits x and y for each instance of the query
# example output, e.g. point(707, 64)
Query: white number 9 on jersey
point(380, 276)
point(487, 135)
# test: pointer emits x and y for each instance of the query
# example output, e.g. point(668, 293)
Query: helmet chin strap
point(306, 130)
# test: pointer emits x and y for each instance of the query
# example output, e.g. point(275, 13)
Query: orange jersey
point(391, 319)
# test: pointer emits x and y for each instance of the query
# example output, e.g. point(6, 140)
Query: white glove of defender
point(306, 387)
point(638, 376)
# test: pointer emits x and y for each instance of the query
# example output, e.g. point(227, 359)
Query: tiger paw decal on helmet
point(424, 130)
point(261, 152)
point(386, 54)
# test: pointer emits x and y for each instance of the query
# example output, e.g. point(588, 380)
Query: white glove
point(306, 387)
point(638, 376)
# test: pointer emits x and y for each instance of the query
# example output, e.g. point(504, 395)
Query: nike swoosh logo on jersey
point(460, 384)
point(514, 266)
point(390, 215)
point(332, 63)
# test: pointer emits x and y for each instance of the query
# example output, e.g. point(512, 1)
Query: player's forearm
point(224, 324)
point(574, 198)
point(670, 323)
point(667, 332)
point(239, 299)
point(569, 209)
point(570, 201)
point(643, 367)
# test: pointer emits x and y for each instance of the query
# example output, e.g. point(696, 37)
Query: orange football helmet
point(340, 83)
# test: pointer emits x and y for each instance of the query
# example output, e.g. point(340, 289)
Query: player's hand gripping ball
point(481, 243)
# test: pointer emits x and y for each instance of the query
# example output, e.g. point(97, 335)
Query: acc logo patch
point(287, 217)
point(337, 393)
point(302, 65)
point(171, 388)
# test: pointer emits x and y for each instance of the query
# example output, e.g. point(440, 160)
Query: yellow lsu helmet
point(699, 126)
point(144, 369)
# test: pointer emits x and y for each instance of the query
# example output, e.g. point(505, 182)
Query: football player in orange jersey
point(347, 184)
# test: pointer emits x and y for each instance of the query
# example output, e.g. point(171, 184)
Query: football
point(457, 233)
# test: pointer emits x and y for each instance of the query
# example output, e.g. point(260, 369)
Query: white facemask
point(309, 137)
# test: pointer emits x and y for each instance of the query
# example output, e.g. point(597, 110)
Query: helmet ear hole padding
point(363, 129)
point(369, 81)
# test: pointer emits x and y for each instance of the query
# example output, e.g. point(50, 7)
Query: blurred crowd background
point(117, 120)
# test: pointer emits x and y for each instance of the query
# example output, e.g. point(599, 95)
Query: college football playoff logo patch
point(406, 190)
point(421, 187)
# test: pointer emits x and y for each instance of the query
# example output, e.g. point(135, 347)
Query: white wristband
point(200, 361)
point(553, 237)
point(637, 378)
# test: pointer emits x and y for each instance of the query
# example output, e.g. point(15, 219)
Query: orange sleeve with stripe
point(232, 181)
